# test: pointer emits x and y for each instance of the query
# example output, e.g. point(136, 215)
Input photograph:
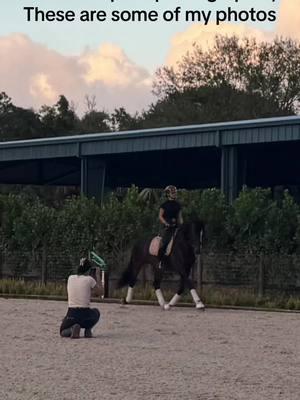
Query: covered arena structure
point(262, 152)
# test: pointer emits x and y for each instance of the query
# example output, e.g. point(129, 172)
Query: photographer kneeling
point(80, 288)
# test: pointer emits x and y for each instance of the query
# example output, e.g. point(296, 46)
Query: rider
point(170, 216)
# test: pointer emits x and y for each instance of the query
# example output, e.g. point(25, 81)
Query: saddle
point(156, 244)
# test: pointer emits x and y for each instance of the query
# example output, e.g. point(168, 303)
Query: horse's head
point(193, 233)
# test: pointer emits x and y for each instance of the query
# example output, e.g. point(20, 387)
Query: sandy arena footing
point(144, 353)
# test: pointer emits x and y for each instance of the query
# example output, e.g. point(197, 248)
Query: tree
point(6, 105)
point(59, 119)
point(95, 122)
point(207, 104)
point(16, 122)
point(267, 69)
point(121, 120)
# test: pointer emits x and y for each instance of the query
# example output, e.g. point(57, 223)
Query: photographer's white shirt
point(79, 290)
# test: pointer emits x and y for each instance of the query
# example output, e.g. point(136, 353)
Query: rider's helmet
point(171, 192)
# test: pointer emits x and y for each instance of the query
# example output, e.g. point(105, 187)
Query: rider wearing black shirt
point(170, 216)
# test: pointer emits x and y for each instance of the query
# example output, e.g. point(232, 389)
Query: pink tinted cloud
point(34, 75)
point(205, 35)
point(289, 21)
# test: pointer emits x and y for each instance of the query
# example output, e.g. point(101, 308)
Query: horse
point(187, 242)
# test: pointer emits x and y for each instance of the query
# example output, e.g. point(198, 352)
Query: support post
point(199, 273)
point(229, 173)
point(44, 277)
point(261, 276)
point(93, 178)
point(105, 284)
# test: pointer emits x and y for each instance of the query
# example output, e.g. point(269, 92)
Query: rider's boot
point(161, 256)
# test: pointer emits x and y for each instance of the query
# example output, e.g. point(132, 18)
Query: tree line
point(236, 79)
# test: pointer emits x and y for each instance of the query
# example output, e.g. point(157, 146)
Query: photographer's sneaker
point(88, 333)
point(66, 332)
point(75, 331)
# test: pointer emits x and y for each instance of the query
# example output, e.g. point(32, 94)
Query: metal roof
point(206, 135)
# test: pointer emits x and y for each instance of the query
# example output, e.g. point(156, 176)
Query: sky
point(113, 61)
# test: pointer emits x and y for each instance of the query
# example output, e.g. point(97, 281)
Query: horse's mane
point(187, 229)
point(183, 230)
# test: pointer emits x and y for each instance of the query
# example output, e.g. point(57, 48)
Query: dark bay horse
point(186, 245)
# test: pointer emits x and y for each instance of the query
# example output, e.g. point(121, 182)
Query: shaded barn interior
point(254, 153)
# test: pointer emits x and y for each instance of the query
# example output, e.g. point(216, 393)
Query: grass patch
point(20, 286)
point(221, 297)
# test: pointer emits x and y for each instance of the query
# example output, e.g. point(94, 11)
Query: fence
point(263, 273)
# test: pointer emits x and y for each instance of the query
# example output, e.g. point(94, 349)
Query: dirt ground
point(144, 353)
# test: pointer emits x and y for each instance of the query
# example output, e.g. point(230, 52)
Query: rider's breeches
point(166, 237)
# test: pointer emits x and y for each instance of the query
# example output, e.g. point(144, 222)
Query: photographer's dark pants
point(85, 317)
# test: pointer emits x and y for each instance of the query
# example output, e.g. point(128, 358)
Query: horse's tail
point(128, 276)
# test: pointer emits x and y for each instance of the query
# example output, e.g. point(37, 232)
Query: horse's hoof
point(123, 301)
point(167, 307)
point(200, 306)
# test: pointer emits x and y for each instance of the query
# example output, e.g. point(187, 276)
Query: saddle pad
point(155, 245)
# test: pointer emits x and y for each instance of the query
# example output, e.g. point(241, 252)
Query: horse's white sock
point(160, 297)
point(197, 299)
point(129, 294)
point(174, 299)
point(195, 296)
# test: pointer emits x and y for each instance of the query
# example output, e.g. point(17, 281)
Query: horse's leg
point(190, 285)
point(177, 295)
point(129, 296)
point(174, 300)
point(129, 278)
point(131, 282)
point(195, 296)
point(185, 280)
point(156, 285)
point(197, 300)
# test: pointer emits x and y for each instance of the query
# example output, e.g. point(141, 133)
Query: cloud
point(34, 75)
point(109, 64)
point(288, 26)
point(41, 88)
point(289, 20)
point(205, 35)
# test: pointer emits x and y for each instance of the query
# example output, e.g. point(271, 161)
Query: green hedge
point(254, 223)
